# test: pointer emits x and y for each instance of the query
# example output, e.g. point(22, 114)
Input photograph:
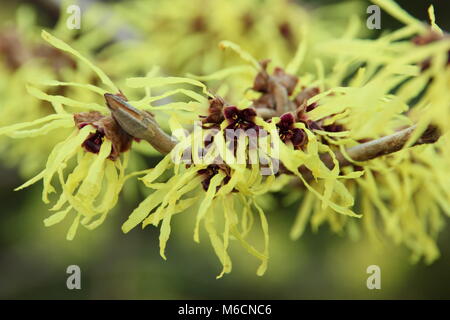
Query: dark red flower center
point(240, 119)
point(94, 142)
point(289, 133)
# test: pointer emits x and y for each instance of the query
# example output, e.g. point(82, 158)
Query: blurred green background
point(33, 259)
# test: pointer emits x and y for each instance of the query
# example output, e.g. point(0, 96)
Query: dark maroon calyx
point(240, 119)
point(289, 133)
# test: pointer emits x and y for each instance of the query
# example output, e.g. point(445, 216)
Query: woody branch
point(142, 125)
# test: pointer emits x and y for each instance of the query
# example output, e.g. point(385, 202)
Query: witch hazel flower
point(90, 163)
point(217, 190)
point(399, 191)
point(312, 127)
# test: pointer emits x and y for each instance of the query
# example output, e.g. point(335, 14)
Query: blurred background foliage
point(33, 259)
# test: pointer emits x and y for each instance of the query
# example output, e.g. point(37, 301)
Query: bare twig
point(388, 144)
point(377, 148)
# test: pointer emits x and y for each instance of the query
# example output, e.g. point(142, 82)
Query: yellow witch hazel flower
point(229, 159)
point(308, 124)
point(90, 163)
point(96, 150)
point(228, 186)
point(346, 108)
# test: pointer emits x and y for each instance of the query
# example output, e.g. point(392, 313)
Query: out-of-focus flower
point(183, 36)
point(303, 122)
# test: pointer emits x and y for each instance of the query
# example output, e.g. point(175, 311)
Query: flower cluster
point(289, 128)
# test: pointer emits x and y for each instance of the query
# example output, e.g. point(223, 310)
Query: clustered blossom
point(277, 92)
point(309, 117)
